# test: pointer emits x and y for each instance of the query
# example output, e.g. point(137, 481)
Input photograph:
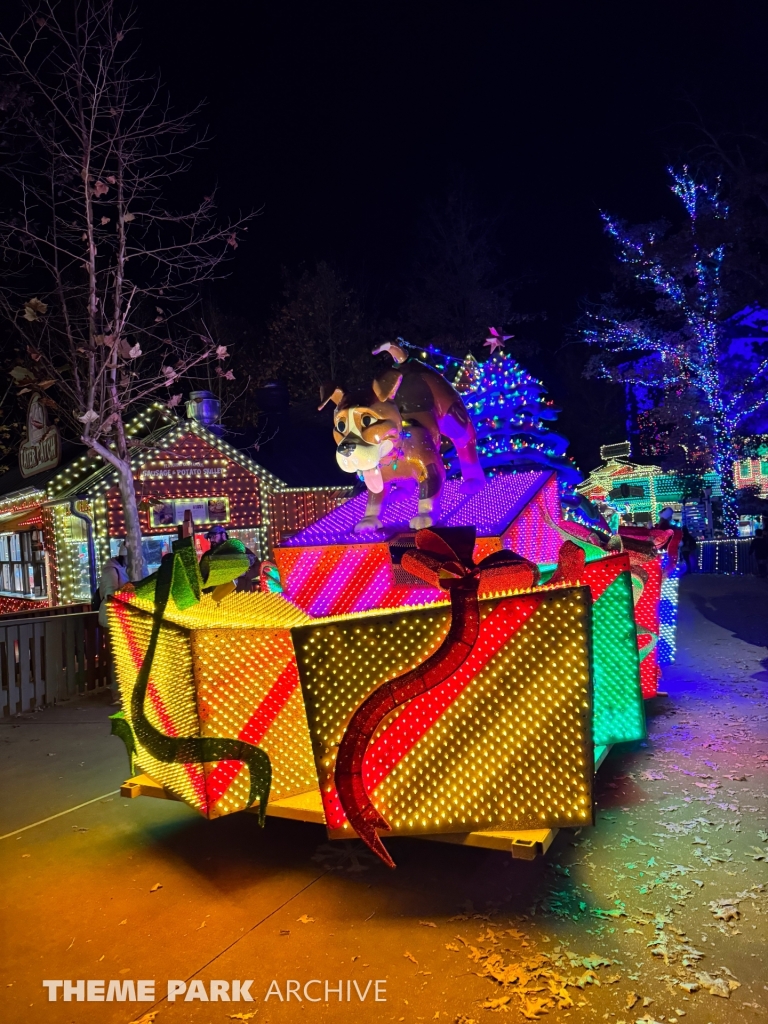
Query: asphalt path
point(658, 913)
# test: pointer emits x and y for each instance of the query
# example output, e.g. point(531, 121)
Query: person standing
point(113, 576)
point(217, 536)
point(688, 547)
point(759, 548)
point(665, 519)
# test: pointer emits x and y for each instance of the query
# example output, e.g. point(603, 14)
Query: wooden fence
point(50, 658)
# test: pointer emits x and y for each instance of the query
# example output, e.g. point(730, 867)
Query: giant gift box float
point(409, 683)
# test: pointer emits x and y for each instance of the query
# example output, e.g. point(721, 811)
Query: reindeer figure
point(392, 433)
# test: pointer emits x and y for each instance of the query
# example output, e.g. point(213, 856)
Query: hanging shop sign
point(42, 448)
point(178, 470)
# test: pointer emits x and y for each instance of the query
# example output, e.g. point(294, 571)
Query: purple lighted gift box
point(329, 569)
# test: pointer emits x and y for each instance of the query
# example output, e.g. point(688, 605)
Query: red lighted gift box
point(648, 549)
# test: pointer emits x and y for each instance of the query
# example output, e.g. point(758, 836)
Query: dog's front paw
point(472, 485)
point(369, 523)
point(421, 522)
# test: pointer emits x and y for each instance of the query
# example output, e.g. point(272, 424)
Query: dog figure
point(392, 433)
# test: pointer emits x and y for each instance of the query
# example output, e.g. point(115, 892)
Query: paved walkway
point(657, 913)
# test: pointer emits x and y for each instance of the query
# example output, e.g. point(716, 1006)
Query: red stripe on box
point(423, 712)
point(255, 729)
point(194, 772)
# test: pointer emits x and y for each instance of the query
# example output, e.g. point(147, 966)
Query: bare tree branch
point(100, 273)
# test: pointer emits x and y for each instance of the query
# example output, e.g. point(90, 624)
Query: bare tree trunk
point(137, 566)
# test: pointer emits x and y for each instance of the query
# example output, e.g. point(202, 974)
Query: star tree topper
point(496, 340)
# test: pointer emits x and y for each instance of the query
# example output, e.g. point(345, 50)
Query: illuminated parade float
point(448, 659)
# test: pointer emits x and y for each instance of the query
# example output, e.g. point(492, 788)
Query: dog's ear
point(385, 387)
point(398, 354)
point(330, 392)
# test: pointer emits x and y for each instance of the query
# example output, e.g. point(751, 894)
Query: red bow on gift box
point(443, 558)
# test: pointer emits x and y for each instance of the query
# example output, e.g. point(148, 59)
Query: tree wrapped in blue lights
point(680, 345)
point(511, 413)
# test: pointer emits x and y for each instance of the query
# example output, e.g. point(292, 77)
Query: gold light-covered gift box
point(224, 670)
point(505, 742)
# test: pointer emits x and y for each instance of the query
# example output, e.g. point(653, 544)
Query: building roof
point(155, 428)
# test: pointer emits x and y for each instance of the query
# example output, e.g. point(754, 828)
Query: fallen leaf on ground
point(304, 919)
point(494, 1004)
point(124, 922)
point(156, 886)
point(532, 1009)
point(632, 998)
point(717, 986)
point(147, 1018)
point(723, 910)
point(411, 957)
point(242, 1016)
point(428, 924)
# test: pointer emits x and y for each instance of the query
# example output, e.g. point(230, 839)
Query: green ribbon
point(179, 577)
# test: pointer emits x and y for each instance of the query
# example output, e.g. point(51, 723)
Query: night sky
point(341, 119)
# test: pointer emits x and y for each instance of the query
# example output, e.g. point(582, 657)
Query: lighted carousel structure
point(448, 660)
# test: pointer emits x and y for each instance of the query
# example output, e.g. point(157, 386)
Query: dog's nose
point(346, 447)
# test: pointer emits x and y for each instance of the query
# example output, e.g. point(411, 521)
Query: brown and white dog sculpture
point(392, 433)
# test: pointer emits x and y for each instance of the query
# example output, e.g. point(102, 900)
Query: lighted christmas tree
point(509, 409)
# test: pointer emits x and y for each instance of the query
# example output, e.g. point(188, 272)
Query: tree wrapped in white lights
point(680, 344)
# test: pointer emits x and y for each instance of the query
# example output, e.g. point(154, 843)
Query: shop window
point(73, 557)
point(22, 564)
point(153, 548)
point(764, 469)
point(156, 546)
point(745, 469)
point(250, 537)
